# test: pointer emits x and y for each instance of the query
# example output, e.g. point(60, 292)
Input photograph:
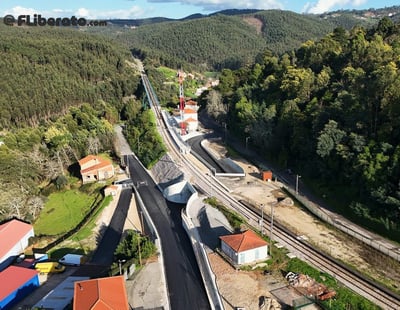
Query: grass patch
point(232, 152)
point(169, 74)
point(62, 212)
point(87, 229)
point(211, 74)
point(345, 298)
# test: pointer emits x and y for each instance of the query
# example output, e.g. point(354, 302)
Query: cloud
point(19, 10)
point(132, 12)
point(216, 5)
point(322, 6)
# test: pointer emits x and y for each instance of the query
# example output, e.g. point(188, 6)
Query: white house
point(14, 238)
point(244, 248)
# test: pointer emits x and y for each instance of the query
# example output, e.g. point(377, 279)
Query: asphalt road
point(195, 144)
point(105, 251)
point(183, 277)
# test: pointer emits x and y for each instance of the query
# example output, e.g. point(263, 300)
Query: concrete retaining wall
point(202, 260)
point(230, 168)
point(179, 192)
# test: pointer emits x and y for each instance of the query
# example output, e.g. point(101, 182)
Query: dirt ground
point(339, 245)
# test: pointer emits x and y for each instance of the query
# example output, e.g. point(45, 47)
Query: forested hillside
point(214, 42)
point(330, 112)
point(61, 93)
point(47, 70)
point(230, 39)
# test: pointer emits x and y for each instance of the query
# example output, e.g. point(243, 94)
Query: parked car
point(49, 267)
point(72, 259)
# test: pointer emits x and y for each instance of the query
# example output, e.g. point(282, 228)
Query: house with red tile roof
point(95, 168)
point(14, 238)
point(244, 248)
point(102, 293)
point(190, 119)
point(192, 105)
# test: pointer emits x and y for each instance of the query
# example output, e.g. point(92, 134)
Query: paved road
point(183, 277)
point(195, 144)
point(104, 254)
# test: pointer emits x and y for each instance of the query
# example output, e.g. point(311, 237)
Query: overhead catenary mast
point(181, 101)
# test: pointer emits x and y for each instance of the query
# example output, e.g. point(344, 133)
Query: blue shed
point(15, 284)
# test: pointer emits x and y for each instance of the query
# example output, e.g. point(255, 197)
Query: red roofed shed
point(244, 248)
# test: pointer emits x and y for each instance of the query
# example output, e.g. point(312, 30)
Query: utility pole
point(262, 219)
point(120, 261)
point(297, 183)
point(140, 254)
point(272, 226)
point(247, 142)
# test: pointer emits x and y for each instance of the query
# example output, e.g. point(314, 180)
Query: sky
point(136, 9)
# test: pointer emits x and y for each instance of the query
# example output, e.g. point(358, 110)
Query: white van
point(72, 260)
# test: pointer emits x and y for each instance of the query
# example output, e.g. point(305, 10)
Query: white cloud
point(82, 12)
point(322, 6)
point(19, 10)
point(133, 12)
point(216, 5)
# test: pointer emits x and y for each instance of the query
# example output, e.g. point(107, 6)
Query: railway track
point(374, 292)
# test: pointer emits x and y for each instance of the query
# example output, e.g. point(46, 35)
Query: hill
point(232, 38)
point(47, 70)
point(330, 112)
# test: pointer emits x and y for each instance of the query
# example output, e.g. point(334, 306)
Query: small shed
point(111, 190)
point(244, 248)
point(15, 284)
point(267, 175)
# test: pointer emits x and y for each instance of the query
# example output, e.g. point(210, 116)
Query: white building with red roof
point(244, 248)
point(190, 119)
point(14, 238)
point(95, 168)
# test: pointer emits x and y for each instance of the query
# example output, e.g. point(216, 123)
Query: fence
point(342, 225)
point(95, 205)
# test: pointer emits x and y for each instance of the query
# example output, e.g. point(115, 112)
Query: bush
point(61, 182)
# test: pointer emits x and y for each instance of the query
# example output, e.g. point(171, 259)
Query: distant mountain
point(233, 38)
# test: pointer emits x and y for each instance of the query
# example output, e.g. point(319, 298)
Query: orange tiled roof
point(88, 158)
point(11, 233)
point(102, 164)
point(191, 119)
point(101, 294)
point(191, 102)
point(189, 111)
point(115, 187)
point(247, 240)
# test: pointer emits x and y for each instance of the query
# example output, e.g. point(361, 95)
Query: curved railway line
point(376, 293)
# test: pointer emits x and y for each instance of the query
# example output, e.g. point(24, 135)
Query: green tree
point(329, 138)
